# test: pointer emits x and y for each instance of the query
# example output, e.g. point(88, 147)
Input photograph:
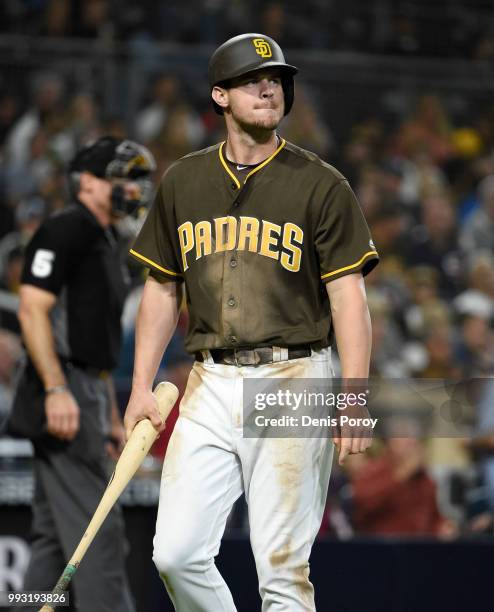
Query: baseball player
point(74, 284)
point(271, 247)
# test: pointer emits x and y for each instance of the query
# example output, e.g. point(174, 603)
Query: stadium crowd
point(396, 27)
point(425, 183)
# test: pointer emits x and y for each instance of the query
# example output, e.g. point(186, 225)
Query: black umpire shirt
point(79, 261)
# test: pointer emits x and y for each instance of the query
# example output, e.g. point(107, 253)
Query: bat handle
point(61, 586)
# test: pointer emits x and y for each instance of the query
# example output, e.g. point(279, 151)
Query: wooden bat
point(137, 447)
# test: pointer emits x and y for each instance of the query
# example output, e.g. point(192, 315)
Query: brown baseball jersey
point(255, 255)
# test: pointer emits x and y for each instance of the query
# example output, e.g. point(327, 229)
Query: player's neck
point(244, 148)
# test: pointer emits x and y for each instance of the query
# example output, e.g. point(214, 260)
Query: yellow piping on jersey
point(266, 161)
point(364, 257)
point(256, 169)
point(154, 264)
point(237, 182)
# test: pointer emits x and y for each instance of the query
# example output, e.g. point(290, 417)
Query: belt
point(90, 370)
point(254, 356)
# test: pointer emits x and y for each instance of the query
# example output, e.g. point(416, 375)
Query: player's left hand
point(352, 439)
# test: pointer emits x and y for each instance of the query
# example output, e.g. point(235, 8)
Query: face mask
point(133, 201)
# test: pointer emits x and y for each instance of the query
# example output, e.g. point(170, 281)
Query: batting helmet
point(117, 160)
point(246, 53)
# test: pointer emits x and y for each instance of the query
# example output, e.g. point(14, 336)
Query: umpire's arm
point(62, 411)
point(352, 325)
point(156, 321)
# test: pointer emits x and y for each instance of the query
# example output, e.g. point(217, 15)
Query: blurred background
point(398, 95)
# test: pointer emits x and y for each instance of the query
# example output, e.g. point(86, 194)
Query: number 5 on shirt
point(42, 265)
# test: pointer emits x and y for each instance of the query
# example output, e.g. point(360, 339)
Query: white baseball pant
point(207, 467)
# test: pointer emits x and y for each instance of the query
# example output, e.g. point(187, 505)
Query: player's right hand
point(62, 415)
point(142, 405)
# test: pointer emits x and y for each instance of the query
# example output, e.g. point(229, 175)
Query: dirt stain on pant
point(287, 459)
point(171, 466)
point(279, 557)
point(304, 586)
point(191, 397)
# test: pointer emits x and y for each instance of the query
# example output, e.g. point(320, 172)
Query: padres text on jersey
point(268, 239)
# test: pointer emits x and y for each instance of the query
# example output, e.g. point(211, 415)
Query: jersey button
point(233, 185)
point(232, 302)
point(233, 263)
point(233, 339)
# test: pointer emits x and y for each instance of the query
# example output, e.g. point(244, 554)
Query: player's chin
point(267, 120)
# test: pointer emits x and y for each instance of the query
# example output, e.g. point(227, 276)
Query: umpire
point(73, 289)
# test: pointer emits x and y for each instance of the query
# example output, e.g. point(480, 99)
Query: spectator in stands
point(484, 47)
point(305, 126)
point(425, 309)
point(151, 119)
point(404, 36)
point(182, 132)
point(275, 21)
point(438, 342)
point(475, 349)
point(393, 494)
point(9, 109)
point(28, 216)
point(480, 496)
point(482, 443)
point(9, 288)
point(478, 297)
point(168, 121)
point(434, 242)
point(387, 226)
point(93, 19)
point(24, 178)
point(83, 124)
point(368, 188)
point(389, 283)
point(478, 232)
point(57, 18)
point(10, 354)
point(47, 93)
point(427, 131)
point(386, 359)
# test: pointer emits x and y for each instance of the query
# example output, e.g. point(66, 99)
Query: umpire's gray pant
point(70, 481)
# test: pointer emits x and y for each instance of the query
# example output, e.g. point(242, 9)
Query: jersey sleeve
point(342, 238)
point(156, 245)
point(48, 257)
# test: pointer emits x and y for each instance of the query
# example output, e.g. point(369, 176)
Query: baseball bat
point(137, 447)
